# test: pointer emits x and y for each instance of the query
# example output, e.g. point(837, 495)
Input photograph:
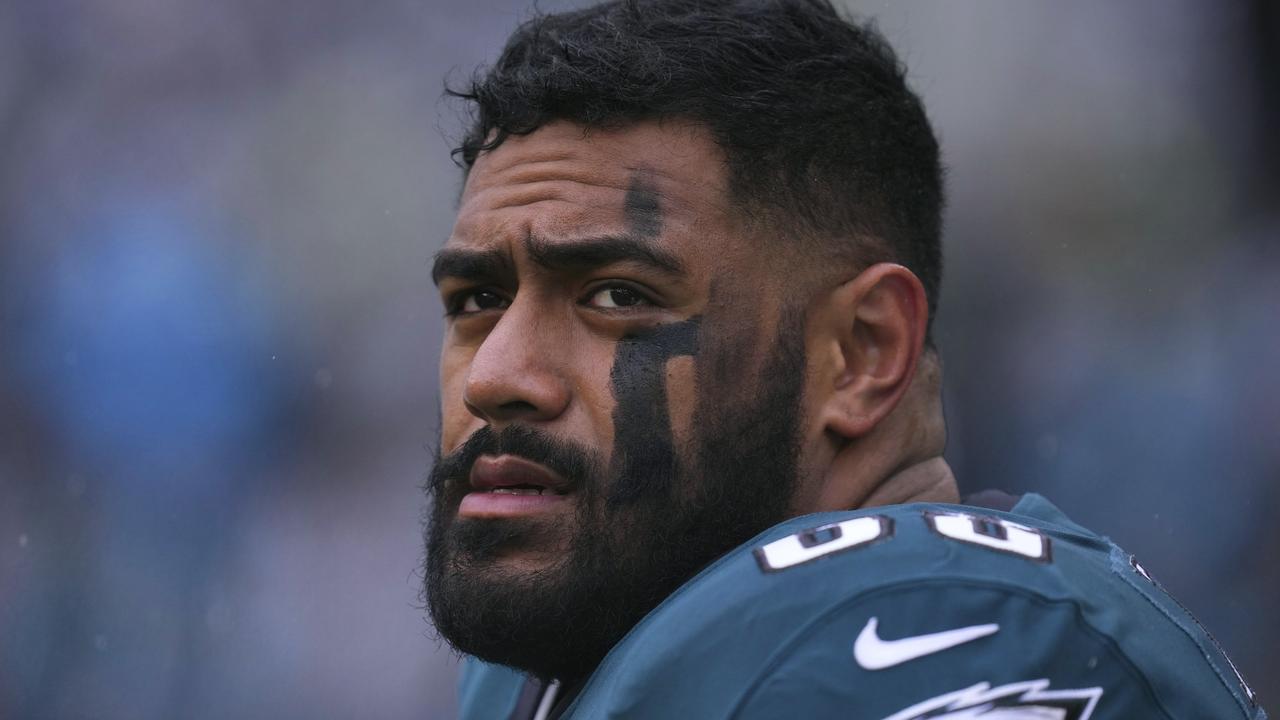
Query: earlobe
point(875, 327)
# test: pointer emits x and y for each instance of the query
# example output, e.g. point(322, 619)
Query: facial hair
point(624, 551)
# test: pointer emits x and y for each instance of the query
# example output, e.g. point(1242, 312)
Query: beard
point(642, 525)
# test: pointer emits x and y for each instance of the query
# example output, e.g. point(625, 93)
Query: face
point(621, 383)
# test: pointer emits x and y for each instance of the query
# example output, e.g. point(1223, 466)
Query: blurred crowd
point(218, 336)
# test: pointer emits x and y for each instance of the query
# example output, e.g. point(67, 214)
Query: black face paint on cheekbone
point(644, 457)
point(642, 207)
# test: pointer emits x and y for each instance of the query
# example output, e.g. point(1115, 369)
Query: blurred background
point(218, 336)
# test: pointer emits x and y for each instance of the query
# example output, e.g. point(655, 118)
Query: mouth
point(510, 486)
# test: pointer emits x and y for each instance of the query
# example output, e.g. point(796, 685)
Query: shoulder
point(895, 608)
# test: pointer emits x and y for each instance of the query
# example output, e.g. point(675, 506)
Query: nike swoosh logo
point(872, 653)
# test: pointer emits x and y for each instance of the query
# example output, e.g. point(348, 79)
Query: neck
point(926, 481)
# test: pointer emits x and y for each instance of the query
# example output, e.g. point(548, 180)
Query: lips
point(510, 473)
point(508, 486)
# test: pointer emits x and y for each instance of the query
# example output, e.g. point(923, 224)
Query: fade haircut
point(824, 141)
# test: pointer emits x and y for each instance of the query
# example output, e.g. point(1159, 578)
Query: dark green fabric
point(740, 642)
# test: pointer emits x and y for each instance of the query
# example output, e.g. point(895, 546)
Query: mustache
point(571, 461)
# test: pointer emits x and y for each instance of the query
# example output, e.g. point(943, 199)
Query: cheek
point(589, 420)
point(682, 398)
point(455, 420)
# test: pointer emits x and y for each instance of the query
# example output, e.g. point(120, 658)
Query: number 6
point(990, 532)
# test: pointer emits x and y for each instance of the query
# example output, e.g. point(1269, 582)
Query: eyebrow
point(473, 265)
point(562, 255)
point(593, 252)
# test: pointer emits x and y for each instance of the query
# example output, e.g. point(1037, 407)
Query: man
point(691, 453)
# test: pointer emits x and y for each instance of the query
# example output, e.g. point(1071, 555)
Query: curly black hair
point(823, 137)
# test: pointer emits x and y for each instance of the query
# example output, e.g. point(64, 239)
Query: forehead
point(650, 179)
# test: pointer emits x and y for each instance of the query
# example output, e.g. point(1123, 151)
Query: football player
point(691, 455)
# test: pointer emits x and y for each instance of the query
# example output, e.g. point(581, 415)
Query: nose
point(517, 372)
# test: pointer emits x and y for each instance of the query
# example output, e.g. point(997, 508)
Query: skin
point(540, 338)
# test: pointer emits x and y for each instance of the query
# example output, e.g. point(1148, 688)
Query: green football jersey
point(901, 613)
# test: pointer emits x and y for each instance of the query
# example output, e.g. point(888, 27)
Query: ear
point(873, 330)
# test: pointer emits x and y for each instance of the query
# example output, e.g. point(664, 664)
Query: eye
point(478, 301)
point(615, 297)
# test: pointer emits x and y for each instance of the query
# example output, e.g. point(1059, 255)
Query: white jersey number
point(821, 541)
point(984, 531)
point(990, 532)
